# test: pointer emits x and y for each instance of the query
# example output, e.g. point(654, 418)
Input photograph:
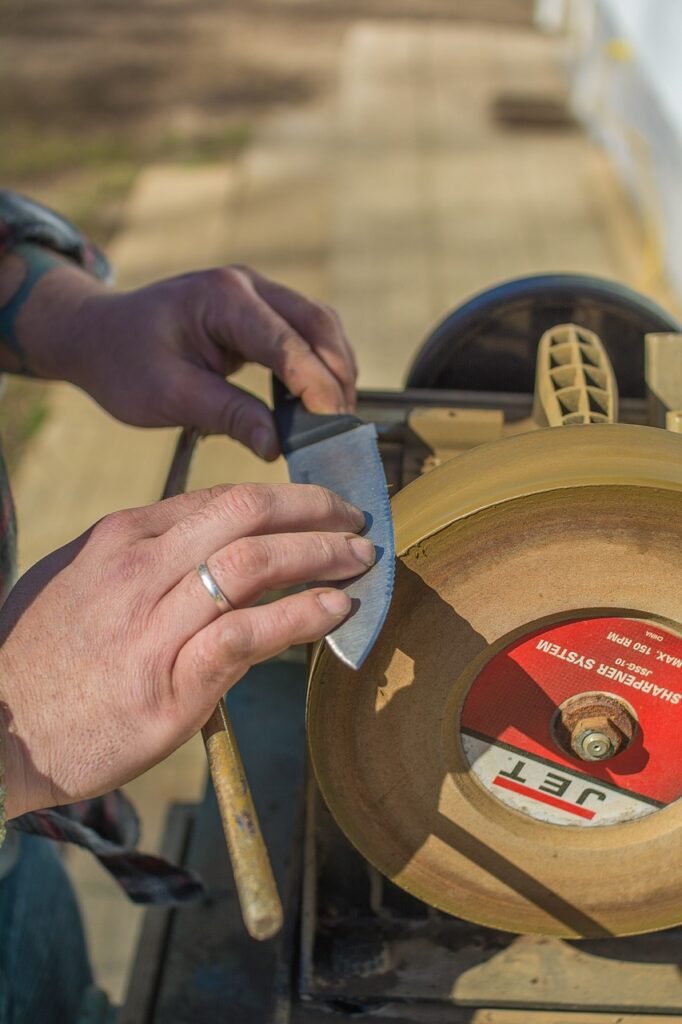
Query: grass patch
point(87, 176)
point(27, 154)
point(23, 410)
point(205, 146)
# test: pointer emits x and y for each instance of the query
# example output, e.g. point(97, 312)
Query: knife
point(341, 453)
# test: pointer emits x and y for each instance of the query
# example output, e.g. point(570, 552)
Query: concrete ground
point(393, 197)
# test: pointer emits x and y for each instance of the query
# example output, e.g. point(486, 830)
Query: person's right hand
point(113, 653)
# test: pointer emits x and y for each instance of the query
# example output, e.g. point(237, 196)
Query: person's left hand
point(159, 356)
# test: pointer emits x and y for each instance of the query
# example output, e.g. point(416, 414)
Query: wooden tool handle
point(256, 887)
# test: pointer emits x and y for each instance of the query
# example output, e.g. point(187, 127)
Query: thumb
point(214, 406)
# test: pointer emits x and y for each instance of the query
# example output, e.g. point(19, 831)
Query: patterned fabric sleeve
point(24, 220)
point(109, 828)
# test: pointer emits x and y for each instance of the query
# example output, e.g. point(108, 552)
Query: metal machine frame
point(353, 946)
point(199, 964)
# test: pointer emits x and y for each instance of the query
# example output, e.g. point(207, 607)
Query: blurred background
point(390, 157)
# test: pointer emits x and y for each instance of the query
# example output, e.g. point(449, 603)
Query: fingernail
point(357, 515)
point(336, 602)
point(363, 549)
point(262, 442)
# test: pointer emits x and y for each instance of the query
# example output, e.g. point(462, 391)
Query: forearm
point(41, 295)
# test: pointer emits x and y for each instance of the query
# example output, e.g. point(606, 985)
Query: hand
point(113, 653)
point(159, 356)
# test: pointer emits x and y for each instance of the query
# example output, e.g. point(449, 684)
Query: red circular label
point(506, 722)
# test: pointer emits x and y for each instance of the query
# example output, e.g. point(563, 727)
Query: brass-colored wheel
point(532, 572)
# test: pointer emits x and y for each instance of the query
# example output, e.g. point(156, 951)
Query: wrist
point(13, 796)
point(22, 777)
point(3, 793)
point(40, 325)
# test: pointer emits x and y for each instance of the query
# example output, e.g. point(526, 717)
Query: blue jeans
point(44, 967)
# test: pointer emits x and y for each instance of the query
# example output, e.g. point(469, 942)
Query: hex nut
point(593, 713)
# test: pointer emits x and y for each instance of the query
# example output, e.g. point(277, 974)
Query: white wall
point(626, 66)
point(654, 28)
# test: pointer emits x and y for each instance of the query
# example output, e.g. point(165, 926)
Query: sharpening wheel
point(510, 752)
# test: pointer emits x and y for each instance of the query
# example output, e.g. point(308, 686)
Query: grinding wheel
point(533, 572)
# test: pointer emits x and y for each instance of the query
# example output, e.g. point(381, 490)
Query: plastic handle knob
point(574, 381)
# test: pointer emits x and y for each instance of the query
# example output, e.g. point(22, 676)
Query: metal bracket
point(435, 435)
point(663, 372)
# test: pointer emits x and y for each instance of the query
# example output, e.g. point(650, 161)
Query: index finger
point(301, 341)
point(249, 510)
point(261, 335)
point(319, 326)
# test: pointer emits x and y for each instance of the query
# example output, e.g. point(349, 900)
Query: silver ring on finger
point(213, 589)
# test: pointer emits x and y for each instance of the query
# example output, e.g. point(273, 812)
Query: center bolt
point(593, 745)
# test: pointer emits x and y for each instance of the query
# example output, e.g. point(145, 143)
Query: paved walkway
point(393, 199)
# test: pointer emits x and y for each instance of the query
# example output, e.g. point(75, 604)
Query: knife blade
point(341, 452)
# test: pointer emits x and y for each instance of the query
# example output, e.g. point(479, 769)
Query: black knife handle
point(297, 428)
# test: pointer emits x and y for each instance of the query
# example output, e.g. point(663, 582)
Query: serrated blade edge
point(350, 465)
